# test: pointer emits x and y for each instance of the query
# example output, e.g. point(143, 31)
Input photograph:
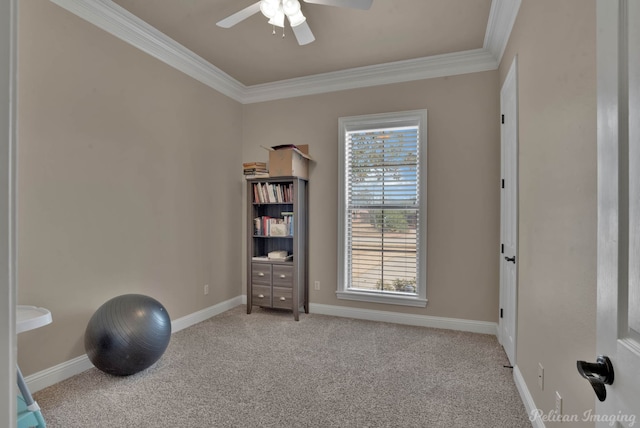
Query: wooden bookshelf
point(277, 222)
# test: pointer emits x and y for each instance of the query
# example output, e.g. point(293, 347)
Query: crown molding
point(381, 74)
point(119, 22)
point(502, 16)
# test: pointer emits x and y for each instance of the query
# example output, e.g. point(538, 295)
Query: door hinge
point(501, 313)
point(503, 183)
point(503, 119)
point(501, 248)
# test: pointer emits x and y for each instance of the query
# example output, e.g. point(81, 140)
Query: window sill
point(390, 299)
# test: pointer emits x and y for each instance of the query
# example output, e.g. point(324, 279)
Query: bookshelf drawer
point(282, 276)
point(282, 298)
point(261, 273)
point(261, 295)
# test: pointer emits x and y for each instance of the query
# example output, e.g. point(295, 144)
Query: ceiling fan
point(277, 10)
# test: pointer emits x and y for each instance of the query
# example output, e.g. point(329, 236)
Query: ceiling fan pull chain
point(274, 30)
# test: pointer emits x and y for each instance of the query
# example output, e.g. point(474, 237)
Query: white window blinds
point(382, 180)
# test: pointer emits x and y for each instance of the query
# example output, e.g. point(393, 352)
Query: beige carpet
point(266, 370)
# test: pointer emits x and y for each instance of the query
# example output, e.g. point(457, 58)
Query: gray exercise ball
point(127, 334)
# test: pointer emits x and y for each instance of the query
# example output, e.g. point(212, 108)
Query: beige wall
point(123, 181)
point(463, 182)
point(556, 47)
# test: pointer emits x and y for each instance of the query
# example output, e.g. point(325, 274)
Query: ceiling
point(392, 30)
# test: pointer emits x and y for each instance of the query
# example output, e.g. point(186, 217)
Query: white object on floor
point(29, 318)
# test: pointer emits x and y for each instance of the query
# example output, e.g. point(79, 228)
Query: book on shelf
point(255, 170)
point(272, 226)
point(246, 165)
point(272, 193)
point(256, 175)
point(278, 229)
point(288, 221)
point(257, 226)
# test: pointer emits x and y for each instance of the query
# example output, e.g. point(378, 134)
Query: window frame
point(369, 122)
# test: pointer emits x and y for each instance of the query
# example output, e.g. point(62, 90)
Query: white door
point(618, 323)
point(509, 212)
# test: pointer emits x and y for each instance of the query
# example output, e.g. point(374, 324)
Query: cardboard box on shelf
point(289, 161)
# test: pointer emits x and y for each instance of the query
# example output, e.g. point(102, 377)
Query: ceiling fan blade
point(240, 16)
point(353, 4)
point(303, 34)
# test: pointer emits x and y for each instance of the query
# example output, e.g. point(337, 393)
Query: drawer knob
point(282, 299)
point(260, 273)
point(283, 276)
point(261, 296)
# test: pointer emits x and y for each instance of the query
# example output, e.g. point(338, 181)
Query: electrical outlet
point(316, 285)
point(206, 289)
point(558, 404)
point(540, 376)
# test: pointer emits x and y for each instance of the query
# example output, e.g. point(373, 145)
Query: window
point(382, 208)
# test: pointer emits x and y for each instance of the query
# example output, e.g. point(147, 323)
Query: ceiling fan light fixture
point(294, 13)
point(269, 8)
point(278, 18)
point(290, 7)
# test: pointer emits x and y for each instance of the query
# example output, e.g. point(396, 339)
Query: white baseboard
point(526, 397)
point(55, 374)
point(205, 314)
point(60, 372)
point(484, 327)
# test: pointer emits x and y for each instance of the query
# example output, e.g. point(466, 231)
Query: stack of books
point(272, 193)
point(255, 170)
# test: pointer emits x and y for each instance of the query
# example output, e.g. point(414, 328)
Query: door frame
point(8, 93)
point(507, 305)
